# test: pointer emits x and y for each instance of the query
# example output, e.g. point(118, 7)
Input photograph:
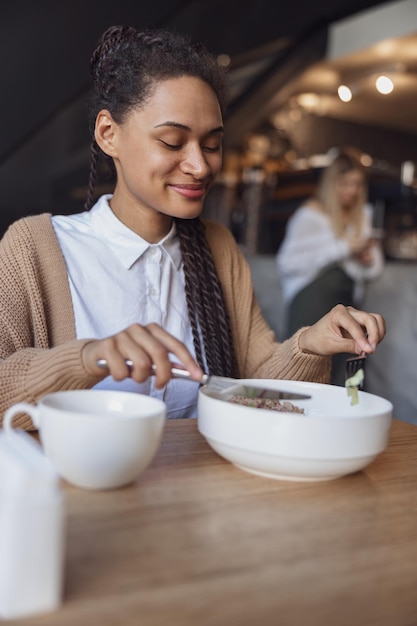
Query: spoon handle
point(176, 372)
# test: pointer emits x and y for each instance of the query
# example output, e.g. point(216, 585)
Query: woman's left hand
point(344, 329)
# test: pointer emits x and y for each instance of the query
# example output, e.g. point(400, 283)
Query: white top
point(310, 245)
point(116, 279)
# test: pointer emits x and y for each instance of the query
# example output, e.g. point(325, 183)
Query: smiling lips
point(193, 192)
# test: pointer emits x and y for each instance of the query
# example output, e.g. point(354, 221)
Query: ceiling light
point(344, 93)
point(384, 84)
point(308, 101)
point(224, 60)
point(366, 160)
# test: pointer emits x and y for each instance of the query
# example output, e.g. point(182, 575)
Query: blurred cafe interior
point(303, 84)
point(196, 540)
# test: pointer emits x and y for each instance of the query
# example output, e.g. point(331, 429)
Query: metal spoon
point(220, 385)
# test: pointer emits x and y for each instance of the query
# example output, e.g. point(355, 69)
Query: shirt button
point(152, 291)
point(153, 251)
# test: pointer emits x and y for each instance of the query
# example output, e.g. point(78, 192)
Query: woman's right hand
point(361, 249)
point(144, 346)
point(357, 245)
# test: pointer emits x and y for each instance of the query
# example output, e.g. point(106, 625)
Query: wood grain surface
point(197, 541)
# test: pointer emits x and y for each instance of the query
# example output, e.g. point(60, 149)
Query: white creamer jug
point(31, 529)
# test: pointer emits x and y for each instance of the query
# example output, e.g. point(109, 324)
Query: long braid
point(207, 311)
point(92, 178)
point(196, 294)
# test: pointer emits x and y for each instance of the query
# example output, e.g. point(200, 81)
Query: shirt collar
point(126, 245)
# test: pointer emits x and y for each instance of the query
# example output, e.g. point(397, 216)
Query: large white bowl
point(332, 438)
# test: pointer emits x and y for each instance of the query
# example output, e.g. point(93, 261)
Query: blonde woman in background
point(329, 251)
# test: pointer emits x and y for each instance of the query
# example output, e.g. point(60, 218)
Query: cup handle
point(20, 407)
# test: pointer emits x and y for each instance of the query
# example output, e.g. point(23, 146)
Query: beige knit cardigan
point(38, 350)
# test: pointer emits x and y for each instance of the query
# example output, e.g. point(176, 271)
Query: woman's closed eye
point(214, 148)
point(171, 146)
point(179, 146)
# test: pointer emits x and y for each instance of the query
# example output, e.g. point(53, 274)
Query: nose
point(195, 163)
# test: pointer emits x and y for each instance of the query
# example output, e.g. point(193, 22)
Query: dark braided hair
point(125, 67)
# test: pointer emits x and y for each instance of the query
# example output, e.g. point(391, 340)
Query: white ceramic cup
point(96, 439)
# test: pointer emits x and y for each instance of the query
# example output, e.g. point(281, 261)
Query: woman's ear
point(105, 132)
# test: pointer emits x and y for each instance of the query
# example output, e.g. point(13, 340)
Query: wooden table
point(197, 541)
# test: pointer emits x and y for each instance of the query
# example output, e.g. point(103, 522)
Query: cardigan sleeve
point(38, 350)
point(258, 353)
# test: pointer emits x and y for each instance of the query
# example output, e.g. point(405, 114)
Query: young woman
point(328, 252)
point(138, 275)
